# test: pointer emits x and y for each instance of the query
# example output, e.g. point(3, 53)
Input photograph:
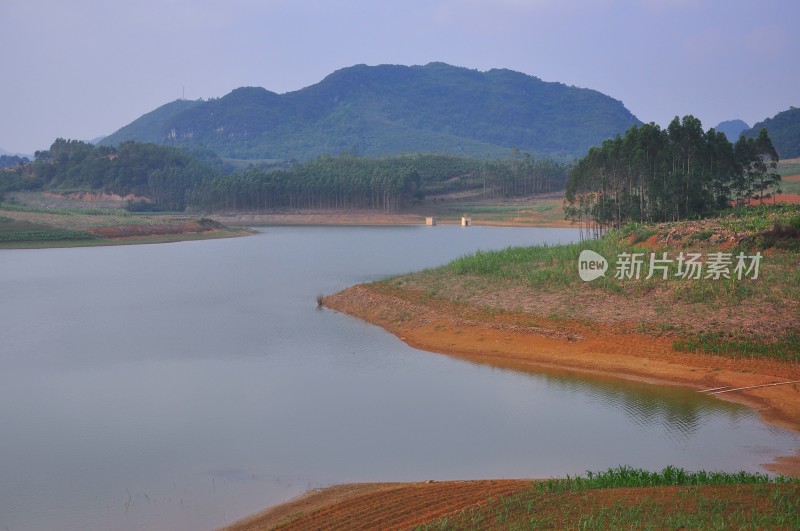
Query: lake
point(186, 385)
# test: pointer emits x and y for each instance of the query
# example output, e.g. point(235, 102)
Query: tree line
point(9, 161)
point(174, 179)
point(655, 174)
point(162, 174)
point(387, 184)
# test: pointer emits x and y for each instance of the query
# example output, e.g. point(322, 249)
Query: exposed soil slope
point(513, 504)
point(379, 505)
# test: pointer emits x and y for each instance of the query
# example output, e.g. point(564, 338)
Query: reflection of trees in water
point(680, 412)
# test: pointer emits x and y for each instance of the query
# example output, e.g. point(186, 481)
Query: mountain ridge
point(784, 131)
point(392, 109)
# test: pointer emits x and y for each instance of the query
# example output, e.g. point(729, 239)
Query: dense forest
point(654, 174)
point(174, 179)
point(389, 110)
point(387, 184)
point(8, 161)
point(160, 173)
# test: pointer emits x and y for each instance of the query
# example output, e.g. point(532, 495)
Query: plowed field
point(516, 504)
point(381, 505)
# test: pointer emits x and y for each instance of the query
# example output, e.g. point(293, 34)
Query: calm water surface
point(183, 386)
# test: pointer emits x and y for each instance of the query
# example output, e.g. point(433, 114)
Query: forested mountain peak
point(784, 129)
point(391, 109)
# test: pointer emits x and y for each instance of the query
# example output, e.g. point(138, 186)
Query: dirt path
point(372, 218)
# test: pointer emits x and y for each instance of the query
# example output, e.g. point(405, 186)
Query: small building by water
point(465, 221)
point(430, 221)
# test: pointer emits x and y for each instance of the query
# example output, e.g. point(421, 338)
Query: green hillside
point(784, 130)
point(391, 109)
point(148, 128)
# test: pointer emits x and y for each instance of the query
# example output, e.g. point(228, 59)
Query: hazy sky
point(84, 68)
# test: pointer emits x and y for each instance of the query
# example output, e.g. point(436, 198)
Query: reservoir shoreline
point(495, 338)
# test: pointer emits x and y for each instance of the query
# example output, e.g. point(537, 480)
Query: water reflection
point(678, 412)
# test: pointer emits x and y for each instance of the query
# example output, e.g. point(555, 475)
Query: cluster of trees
point(387, 184)
point(9, 161)
point(519, 175)
point(333, 183)
point(161, 173)
point(654, 174)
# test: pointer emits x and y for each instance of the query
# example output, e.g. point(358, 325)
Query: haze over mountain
point(10, 154)
point(732, 128)
point(391, 109)
point(784, 130)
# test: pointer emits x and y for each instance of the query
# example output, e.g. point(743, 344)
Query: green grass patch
point(638, 232)
point(734, 500)
point(789, 187)
point(545, 266)
point(756, 218)
point(13, 231)
point(43, 235)
point(785, 349)
point(18, 207)
point(626, 476)
point(790, 167)
point(72, 211)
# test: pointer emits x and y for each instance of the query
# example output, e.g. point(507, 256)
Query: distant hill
point(732, 128)
point(390, 109)
point(784, 130)
point(10, 154)
point(149, 127)
point(8, 161)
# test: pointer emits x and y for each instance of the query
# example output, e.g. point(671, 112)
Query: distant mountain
point(7, 161)
point(732, 128)
point(784, 130)
point(390, 109)
point(12, 154)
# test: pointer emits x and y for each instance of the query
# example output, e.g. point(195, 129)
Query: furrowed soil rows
point(395, 506)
